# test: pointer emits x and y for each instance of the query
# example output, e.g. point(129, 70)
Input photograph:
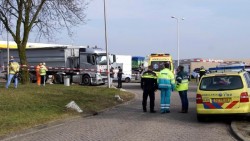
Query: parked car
point(195, 73)
point(223, 94)
point(125, 78)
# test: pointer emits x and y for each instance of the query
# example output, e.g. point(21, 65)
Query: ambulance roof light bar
point(159, 54)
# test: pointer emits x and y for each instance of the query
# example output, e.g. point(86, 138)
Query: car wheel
point(127, 79)
point(86, 80)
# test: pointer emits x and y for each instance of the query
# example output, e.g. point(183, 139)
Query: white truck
point(125, 62)
point(83, 65)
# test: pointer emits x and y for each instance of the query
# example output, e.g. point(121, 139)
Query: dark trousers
point(184, 100)
point(43, 78)
point(151, 95)
point(119, 83)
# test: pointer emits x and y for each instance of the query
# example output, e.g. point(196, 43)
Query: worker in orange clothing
point(38, 77)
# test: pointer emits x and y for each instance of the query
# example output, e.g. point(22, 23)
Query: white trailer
point(125, 62)
point(84, 65)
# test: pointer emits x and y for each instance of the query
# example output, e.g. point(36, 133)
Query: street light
point(106, 43)
point(178, 50)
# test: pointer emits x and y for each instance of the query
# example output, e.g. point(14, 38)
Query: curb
point(235, 131)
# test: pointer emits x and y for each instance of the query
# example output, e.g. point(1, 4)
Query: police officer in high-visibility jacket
point(166, 84)
point(202, 72)
point(149, 86)
point(182, 87)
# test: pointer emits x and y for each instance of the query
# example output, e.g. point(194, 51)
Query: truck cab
point(93, 60)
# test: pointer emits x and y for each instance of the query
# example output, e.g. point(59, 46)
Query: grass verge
point(31, 105)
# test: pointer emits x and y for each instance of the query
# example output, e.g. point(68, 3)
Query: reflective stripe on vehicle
point(215, 105)
point(232, 104)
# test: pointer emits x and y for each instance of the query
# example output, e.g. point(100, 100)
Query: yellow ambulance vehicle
point(156, 60)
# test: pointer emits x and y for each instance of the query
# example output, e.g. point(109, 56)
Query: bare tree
point(21, 17)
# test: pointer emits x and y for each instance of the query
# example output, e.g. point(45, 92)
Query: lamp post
point(106, 43)
point(178, 48)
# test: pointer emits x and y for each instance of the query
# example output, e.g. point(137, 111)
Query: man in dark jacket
point(149, 86)
point(119, 76)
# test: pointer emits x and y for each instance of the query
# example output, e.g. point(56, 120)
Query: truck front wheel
point(127, 79)
point(86, 80)
point(57, 79)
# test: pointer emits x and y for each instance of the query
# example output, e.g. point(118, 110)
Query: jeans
point(119, 83)
point(43, 78)
point(184, 100)
point(111, 81)
point(9, 80)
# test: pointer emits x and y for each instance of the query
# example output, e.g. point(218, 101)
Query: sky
point(211, 29)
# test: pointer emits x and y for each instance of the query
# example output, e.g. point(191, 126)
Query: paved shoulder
point(241, 130)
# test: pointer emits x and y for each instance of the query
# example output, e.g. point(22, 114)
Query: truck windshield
point(158, 65)
point(101, 60)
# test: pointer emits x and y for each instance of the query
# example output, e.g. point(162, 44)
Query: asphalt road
point(127, 122)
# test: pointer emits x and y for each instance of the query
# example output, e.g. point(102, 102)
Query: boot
point(183, 111)
point(152, 111)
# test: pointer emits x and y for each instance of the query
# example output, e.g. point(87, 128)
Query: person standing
point(166, 84)
point(38, 77)
point(119, 76)
point(182, 87)
point(202, 72)
point(112, 74)
point(149, 86)
point(13, 72)
point(43, 70)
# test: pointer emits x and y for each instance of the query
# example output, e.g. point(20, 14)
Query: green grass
point(31, 105)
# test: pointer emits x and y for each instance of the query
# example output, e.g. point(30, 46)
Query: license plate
point(221, 100)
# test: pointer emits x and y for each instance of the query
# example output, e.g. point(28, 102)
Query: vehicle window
point(218, 83)
point(157, 65)
point(101, 60)
point(247, 77)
